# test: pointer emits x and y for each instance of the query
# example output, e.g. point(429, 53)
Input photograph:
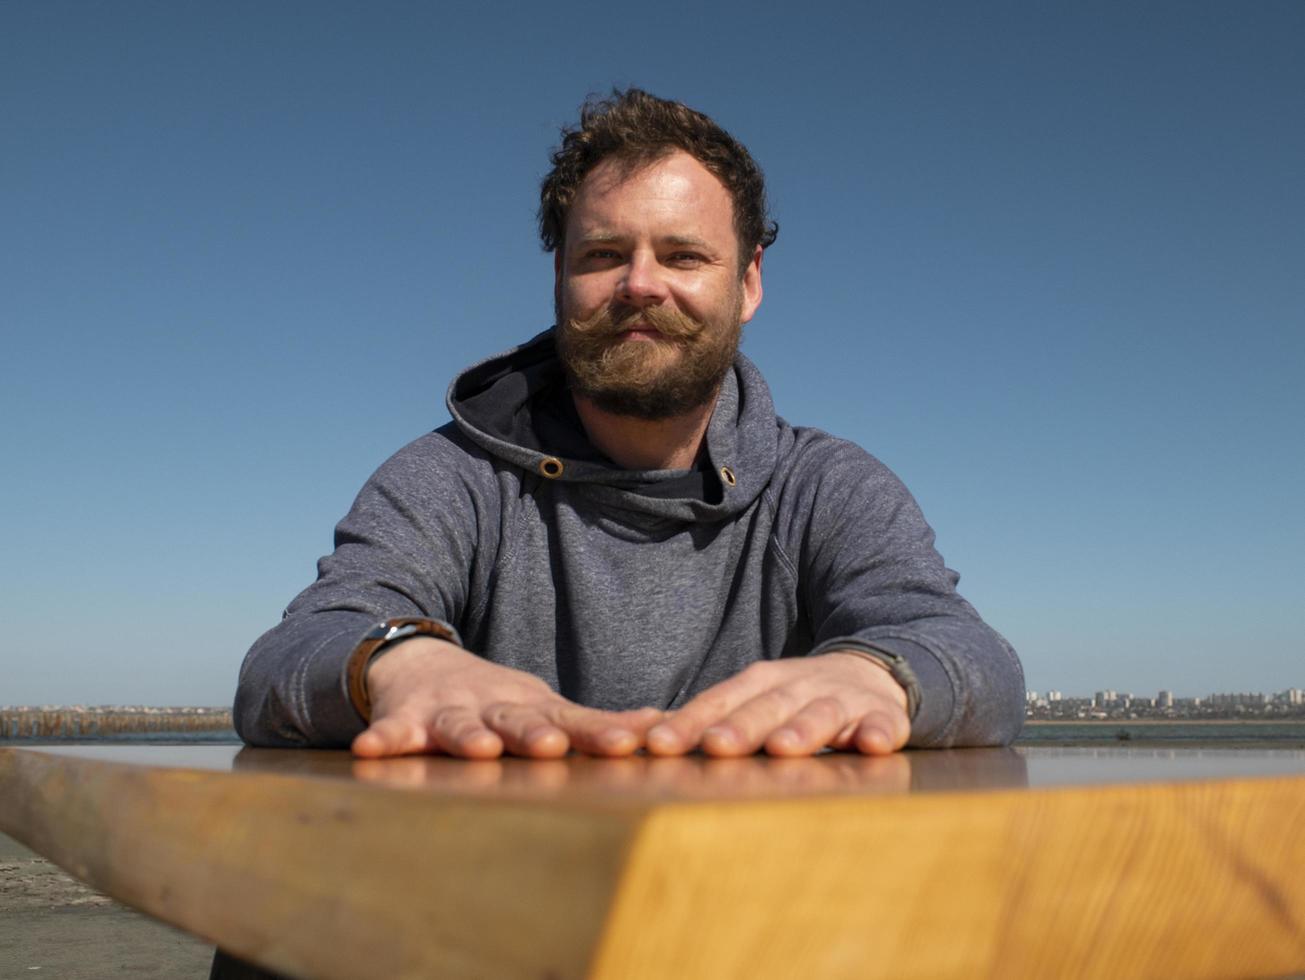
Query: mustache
point(611, 321)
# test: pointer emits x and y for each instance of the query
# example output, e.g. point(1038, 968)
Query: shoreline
point(1120, 722)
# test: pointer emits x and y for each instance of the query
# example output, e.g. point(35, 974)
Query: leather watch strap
point(378, 638)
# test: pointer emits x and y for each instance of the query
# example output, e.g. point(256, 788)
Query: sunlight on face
point(650, 298)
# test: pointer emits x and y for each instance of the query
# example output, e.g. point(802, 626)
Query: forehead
point(673, 194)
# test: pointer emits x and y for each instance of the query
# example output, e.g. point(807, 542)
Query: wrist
point(399, 659)
point(381, 639)
point(892, 675)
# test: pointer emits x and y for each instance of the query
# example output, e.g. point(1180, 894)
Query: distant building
point(1241, 700)
point(1108, 703)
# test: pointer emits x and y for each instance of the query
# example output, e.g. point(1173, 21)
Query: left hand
point(794, 706)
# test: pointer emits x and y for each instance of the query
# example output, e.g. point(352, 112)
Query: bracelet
point(378, 640)
point(898, 668)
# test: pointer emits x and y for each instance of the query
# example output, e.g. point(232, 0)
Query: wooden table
point(1013, 863)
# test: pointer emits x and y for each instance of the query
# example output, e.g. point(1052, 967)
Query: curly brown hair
point(636, 129)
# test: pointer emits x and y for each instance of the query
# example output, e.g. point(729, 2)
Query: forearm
point(971, 685)
point(292, 688)
point(395, 556)
point(873, 578)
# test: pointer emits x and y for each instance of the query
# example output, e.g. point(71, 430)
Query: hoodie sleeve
point(406, 548)
point(870, 577)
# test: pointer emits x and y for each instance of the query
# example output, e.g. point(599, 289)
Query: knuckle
point(820, 718)
point(456, 723)
point(829, 706)
point(501, 715)
point(790, 698)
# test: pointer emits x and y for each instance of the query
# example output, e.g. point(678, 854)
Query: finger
point(640, 719)
point(526, 730)
point(604, 733)
point(392, 735)
point(459, 731)
point(744, 730)
point(682, 730)
point(881, 732)
point(808, 731)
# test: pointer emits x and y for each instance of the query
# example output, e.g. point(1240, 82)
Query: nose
point(642, 285)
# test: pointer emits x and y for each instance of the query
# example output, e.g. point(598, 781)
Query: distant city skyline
point(1138, 692)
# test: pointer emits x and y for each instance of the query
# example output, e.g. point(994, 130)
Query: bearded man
point(616, 544)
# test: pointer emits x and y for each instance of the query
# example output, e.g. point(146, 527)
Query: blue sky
point(1046, 261)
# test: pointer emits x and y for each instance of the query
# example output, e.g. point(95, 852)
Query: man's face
point(649, 296)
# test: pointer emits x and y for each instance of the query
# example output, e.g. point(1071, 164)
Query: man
point(616, 544)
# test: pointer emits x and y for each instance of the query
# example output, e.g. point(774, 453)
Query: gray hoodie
point(623, 589)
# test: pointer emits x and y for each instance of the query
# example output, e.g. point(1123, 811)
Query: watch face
point(386, 633)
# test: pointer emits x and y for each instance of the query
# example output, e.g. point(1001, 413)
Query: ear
point(751, 286)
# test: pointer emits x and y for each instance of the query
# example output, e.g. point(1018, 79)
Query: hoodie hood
point(516, 407)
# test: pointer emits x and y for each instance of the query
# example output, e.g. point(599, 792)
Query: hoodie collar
point(507, 402)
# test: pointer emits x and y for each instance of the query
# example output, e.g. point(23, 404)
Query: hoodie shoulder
point(445, 451)
point(822, 480)
point(440, 472)
point(812, 457)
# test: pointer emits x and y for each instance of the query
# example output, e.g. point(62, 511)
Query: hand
point(429, 695)
point(793, 706)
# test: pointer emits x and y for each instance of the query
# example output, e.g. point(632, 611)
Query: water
point(1285, 734)
point(228, 737)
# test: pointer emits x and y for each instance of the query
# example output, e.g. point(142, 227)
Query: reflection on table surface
point(696, 777)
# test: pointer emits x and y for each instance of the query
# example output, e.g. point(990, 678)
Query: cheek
point(580, 298)
point(708, 299)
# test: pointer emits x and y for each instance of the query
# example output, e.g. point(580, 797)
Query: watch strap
point(378, 640)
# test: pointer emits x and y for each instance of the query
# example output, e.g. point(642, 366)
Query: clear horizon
point(1048, 264)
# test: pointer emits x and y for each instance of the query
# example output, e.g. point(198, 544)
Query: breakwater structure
point(109, 721)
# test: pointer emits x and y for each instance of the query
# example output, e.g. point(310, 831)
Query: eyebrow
point(608, 238)
point(686, 240)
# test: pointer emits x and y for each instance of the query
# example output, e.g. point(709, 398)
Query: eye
point(687, 258)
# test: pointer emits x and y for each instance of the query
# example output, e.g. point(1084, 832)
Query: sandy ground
point(51, 925)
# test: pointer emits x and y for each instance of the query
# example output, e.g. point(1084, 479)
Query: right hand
point(430, 695)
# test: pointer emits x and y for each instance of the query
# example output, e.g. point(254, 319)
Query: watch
point(377, 641)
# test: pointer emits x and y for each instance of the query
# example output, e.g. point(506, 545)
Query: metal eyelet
point(727, 475)
point(550, 467)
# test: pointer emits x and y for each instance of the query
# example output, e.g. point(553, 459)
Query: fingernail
point(720, 734)
point(661, 737)
point(614, 739)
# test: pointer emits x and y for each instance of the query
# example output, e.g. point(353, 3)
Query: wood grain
point(428, 868)
point(1188, 880)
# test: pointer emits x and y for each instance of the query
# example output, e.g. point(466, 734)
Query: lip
point(636, 332)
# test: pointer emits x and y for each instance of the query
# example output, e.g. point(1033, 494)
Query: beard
point(676, 372)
